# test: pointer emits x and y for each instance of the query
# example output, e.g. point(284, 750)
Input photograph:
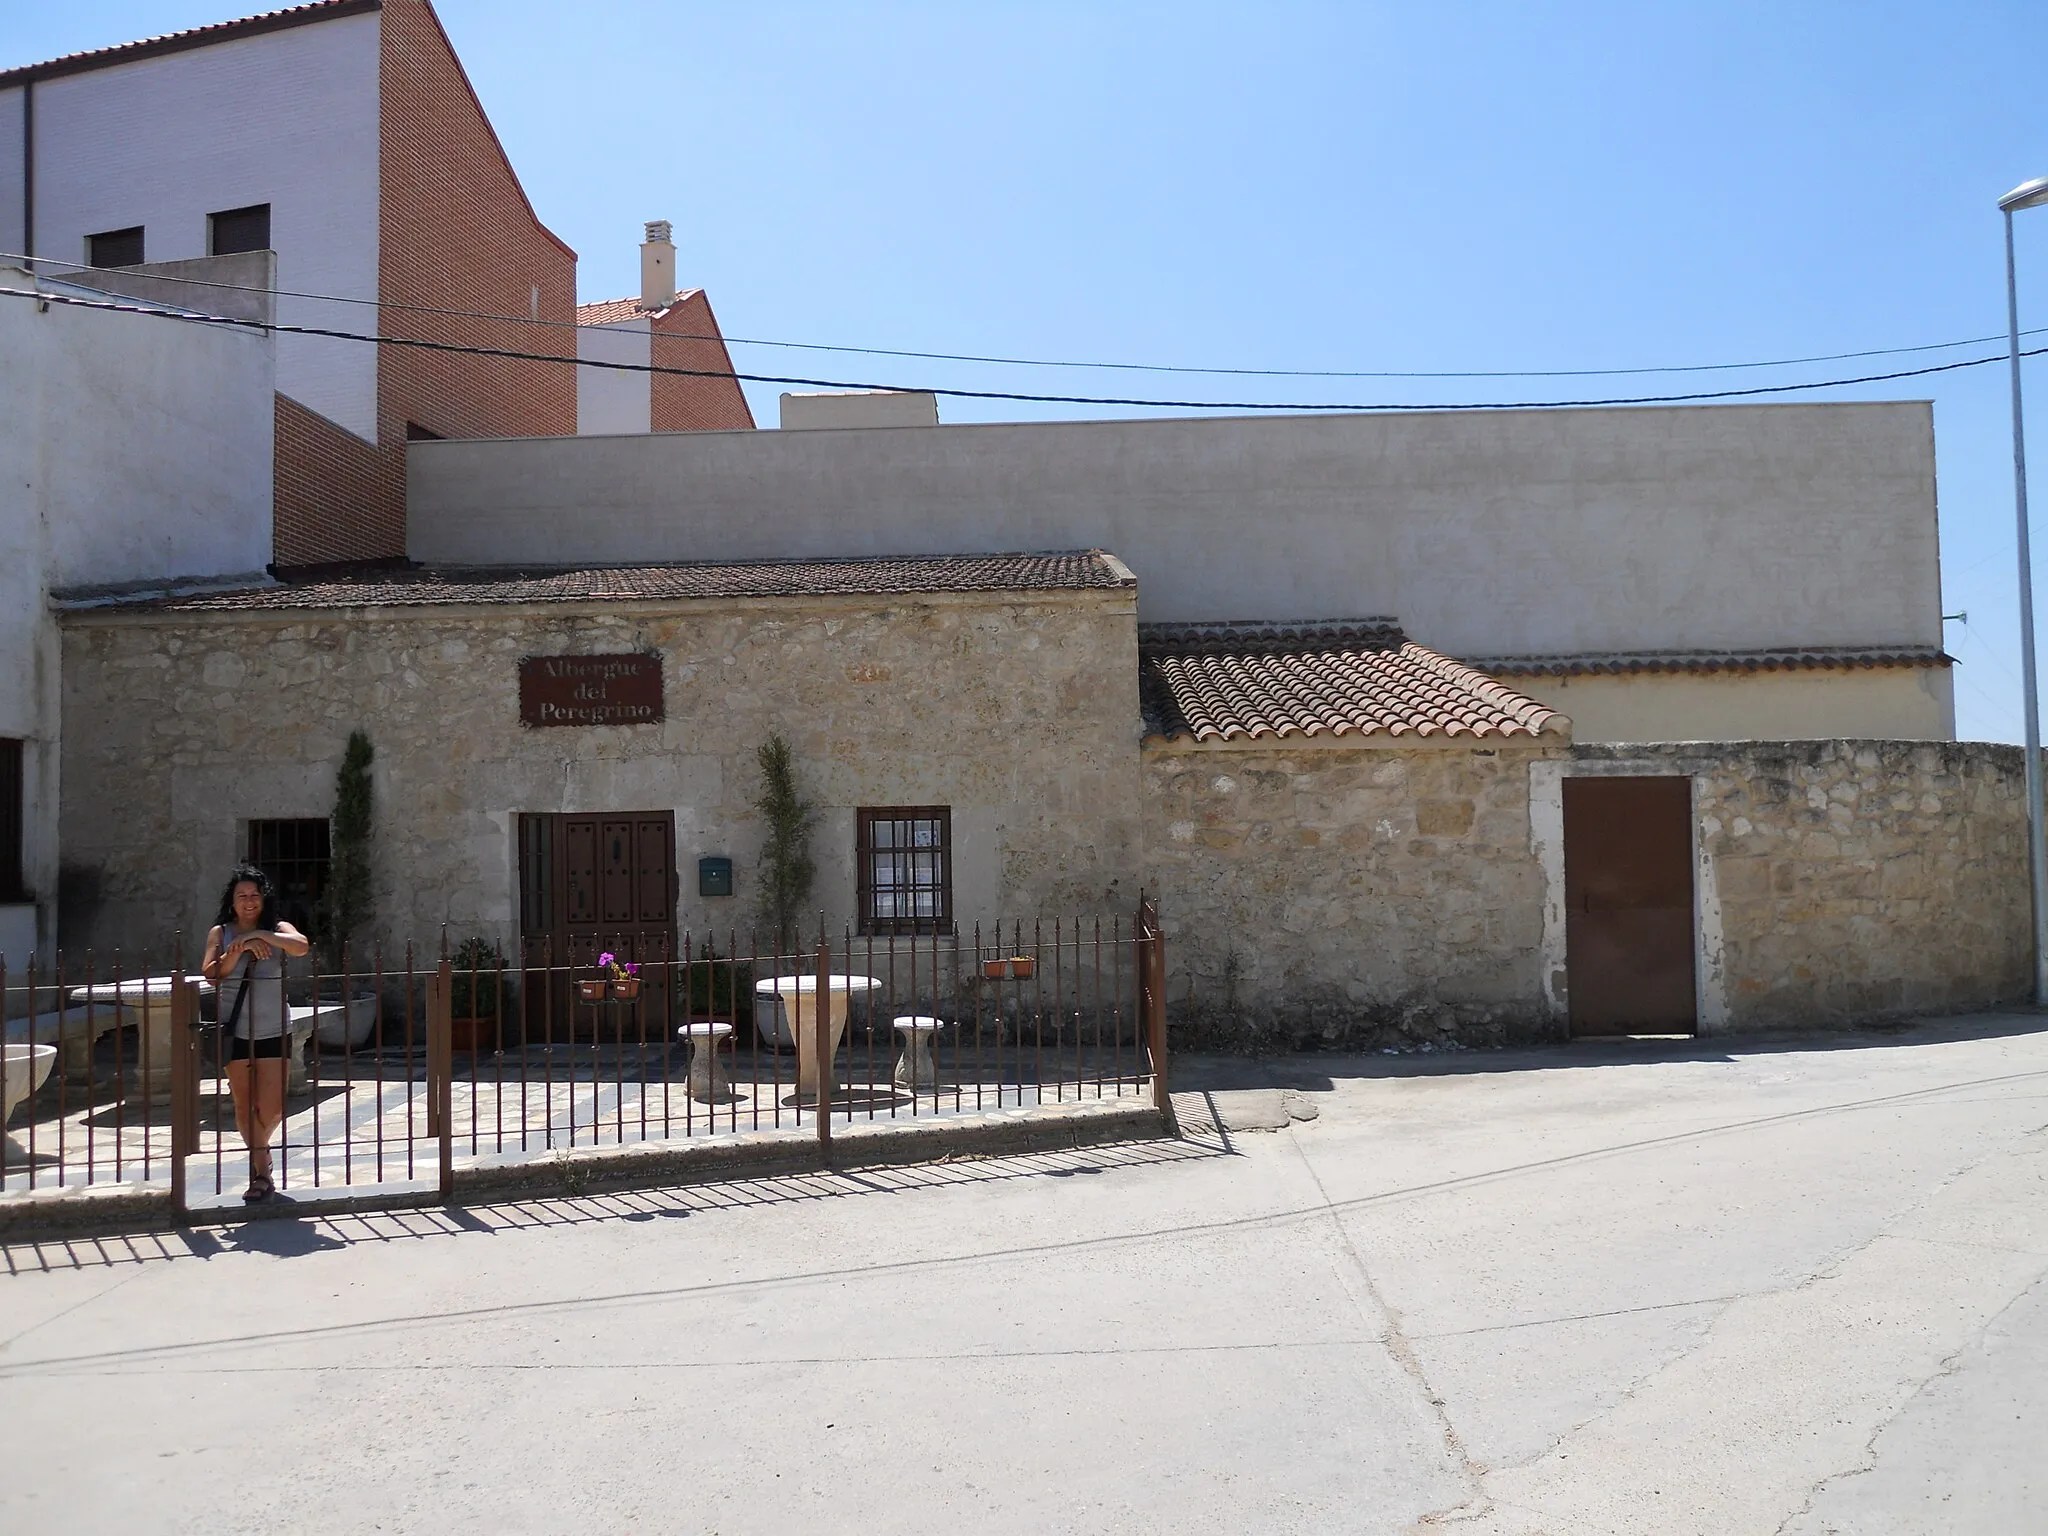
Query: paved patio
point(364, 1121)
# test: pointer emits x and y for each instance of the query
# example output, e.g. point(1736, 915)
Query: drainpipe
point(28, 172)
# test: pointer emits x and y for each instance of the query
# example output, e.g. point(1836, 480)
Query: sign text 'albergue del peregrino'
point(590, 690)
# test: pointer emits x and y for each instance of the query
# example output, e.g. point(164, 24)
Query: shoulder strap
point(241, 992)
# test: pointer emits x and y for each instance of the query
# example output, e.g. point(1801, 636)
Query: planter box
point(473, 1035)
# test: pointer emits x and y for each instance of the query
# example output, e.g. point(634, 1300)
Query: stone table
point(707, 1075)
point(915, 1069)
point(799, 996)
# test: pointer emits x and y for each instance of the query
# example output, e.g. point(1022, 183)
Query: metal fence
point(400, 1066)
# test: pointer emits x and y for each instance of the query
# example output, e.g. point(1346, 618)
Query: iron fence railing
point(400, 1066)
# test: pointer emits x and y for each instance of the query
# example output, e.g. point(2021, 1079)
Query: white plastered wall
point(1517, 533)
point(614, 400)
point(1882, 703)
point(133, 449)
point(288, 118)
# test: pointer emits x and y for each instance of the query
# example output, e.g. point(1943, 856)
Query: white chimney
point(657, 267)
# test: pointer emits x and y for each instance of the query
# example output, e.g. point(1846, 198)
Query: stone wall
point(1352, 896)
point(1852, 881)
point(1346, 896)
point(1018, 711)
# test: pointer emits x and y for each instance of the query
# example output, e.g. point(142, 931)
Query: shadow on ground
point(275, 1229)
point(1318, 1073)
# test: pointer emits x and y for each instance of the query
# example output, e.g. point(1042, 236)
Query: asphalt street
point(1658, 1287)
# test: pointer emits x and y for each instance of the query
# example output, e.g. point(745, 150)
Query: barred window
point(906, 869)
point(294, 854)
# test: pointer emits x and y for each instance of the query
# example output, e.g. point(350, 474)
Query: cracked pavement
point(1658, 1287)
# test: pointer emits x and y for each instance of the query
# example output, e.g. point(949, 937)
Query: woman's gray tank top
point(262, 1015)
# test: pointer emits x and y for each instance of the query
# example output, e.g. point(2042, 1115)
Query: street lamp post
point(2031, 194)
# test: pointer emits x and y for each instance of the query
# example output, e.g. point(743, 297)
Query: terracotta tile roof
point(195, 37)
point(1360, 677)
point(612, 311)
point(1790, 659)
point(419, 586)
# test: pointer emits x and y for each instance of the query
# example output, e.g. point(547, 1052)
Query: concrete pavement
point(1641, 1288)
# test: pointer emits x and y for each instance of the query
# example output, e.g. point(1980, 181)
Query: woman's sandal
point(260, 1188)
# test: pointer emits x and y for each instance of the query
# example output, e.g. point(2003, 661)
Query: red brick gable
point(456, 232)
point(686, 335)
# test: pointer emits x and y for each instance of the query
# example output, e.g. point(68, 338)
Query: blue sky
point(1357, 186)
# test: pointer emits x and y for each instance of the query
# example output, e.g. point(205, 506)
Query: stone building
point(1352, 838)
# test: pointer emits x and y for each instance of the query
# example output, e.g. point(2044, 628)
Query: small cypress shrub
point(787, 868)
point(346, 907)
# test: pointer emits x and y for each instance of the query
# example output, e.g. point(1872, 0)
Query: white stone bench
point(72, 1030)
point(300, 1022)
point(915, 1069)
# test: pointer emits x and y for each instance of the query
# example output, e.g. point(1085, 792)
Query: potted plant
point(622, 981)
point(1022, 967)
point(475, 992)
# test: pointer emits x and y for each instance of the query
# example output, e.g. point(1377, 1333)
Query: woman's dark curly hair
point(268, 918)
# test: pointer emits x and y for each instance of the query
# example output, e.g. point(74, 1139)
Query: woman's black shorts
point(269, 1048)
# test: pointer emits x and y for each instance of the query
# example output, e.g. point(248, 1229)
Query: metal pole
point(2037, 842)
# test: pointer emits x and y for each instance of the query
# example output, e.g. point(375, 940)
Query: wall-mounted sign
point(590, 690)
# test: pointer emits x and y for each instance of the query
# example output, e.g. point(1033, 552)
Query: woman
point(244, 960)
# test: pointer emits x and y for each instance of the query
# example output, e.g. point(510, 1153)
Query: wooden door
point(1629, 921)
point(591, 884)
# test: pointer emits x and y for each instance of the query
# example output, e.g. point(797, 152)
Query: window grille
point(906, 869)
point(294, 853)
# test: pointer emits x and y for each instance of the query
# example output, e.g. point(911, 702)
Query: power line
point(1041, 362)
point(513, 355)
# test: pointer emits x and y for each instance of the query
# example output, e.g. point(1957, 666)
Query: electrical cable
point(1040, 362)
point(513, 355)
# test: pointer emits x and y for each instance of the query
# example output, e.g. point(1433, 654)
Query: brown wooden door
point(590, 884)
point(1629, 920)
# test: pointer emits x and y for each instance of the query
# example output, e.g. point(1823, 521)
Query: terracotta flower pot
point(591, 991)
point(1022, 967)
point(626, 988)
point(995, 970)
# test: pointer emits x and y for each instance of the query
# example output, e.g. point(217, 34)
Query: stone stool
point(707, 1074)
point(915, 1068)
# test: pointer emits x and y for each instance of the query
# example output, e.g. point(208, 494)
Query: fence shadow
point(278, 1231)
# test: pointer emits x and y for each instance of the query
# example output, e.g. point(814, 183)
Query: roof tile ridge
point(1518, 707)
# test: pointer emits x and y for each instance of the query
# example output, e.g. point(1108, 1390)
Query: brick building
point(662, 328)
point(345, 136)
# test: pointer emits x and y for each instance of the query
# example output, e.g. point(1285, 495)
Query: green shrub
point(716, 984)
point(474, 989)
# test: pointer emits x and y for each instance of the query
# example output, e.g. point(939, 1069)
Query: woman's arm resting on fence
point(286, 938)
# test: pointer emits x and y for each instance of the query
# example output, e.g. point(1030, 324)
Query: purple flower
point(632, 970)
point(605, 958)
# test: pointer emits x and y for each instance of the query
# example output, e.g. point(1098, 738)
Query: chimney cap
point(658, 229)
